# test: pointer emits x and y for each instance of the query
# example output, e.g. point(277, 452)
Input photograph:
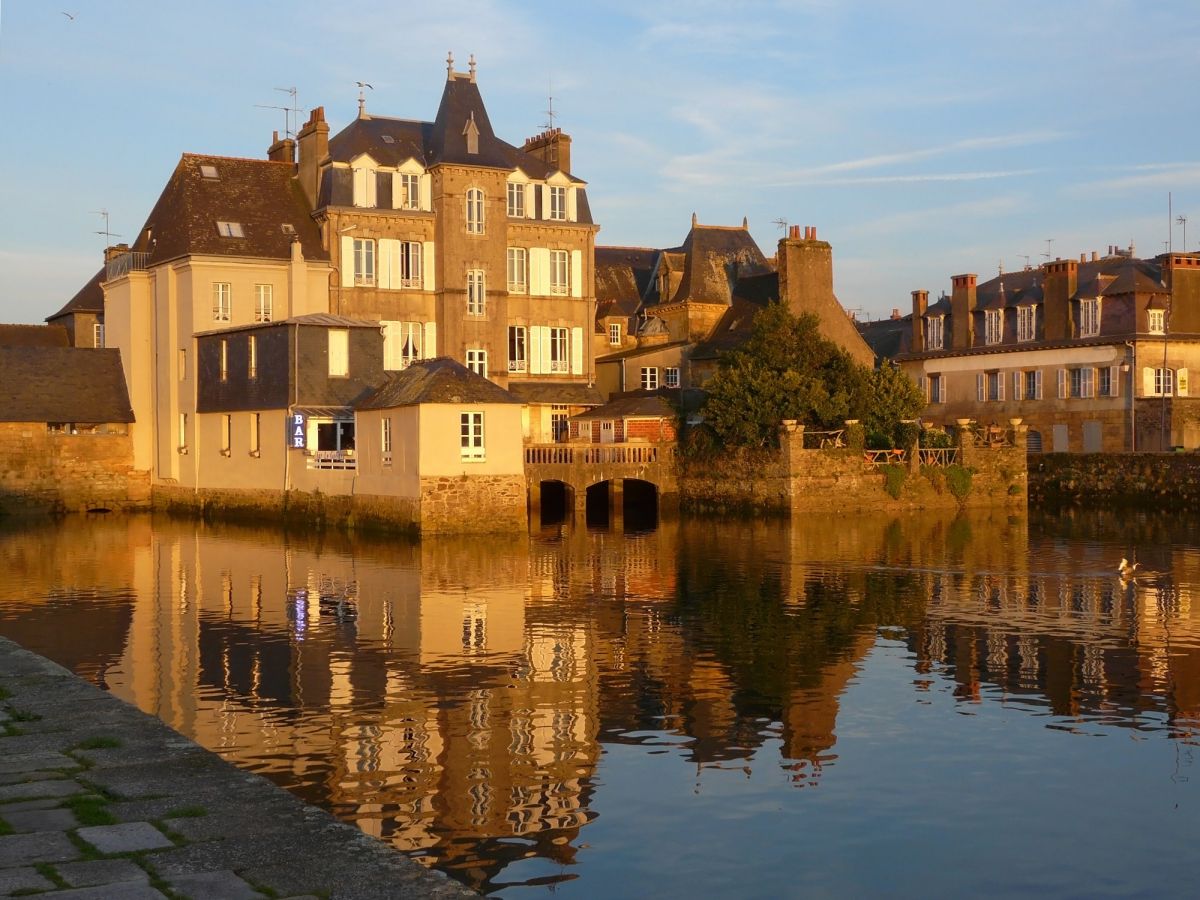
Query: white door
point(606, 431)
point(1060, 439)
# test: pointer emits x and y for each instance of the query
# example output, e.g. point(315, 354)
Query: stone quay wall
point(43, 472)
point(793, 480)
point(1157, 480)
point(476, 504)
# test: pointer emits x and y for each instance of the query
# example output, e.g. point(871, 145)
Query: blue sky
point(922, 139)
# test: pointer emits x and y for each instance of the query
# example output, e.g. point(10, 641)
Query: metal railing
point(332, 459)
point(133, 261)
point(883, 457)
point(937, 456)
point(821, 440)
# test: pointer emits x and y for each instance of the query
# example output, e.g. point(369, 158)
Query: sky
point(922, 139)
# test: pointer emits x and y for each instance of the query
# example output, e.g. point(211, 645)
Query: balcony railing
point(590, 454)
point(133, 261)
point(332, 459)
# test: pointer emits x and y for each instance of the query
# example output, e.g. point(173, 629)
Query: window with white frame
point(474, 211)
point(937, 388)
point(226, 434)
point(560, 272)
point(1089, 317)
point(339, 353)
point(1082, 382)
point(252, 356)
point(993, 326)
point(401, 344)
point(1033, 384)
point(518, 269)
point(1104, 382)
point(476, 296)
point(182, 443)
point(255, 426)
point(560, 361)
point(181, 362)
point(264, 301)
point(1164, 382)
point(934, 332)
point(98, 334)
point(385, 440)
point(410, 191)
point(516, 200)
point(995, 386)
point(559, 426)
point(364, 262)
point(1156, 321)
point(518, 359)
point(471, 436)
point(614, 335)
point(477, 361)
point(224, 359)
point(230, 229)
point(222, 301)
point(410, 264)
point(558, 203)
point(649, 378)
point(1026, 323)
point(671, 377)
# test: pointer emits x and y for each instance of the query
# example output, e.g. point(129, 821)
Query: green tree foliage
point(787, 370)
point(891, 397)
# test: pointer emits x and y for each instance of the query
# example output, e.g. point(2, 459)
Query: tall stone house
point(1093, 355)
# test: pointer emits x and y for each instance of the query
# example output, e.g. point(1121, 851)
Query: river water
point(832, 707)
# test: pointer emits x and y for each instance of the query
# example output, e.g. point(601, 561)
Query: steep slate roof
point(440, 380)
point(260, 195)
point(34, 336)
point(887, 337)
point(622, 276)
point(634, 406)
point(715, 257)
point(89, 299)
point(62, 384)
point(731, 330)
point(567, 393)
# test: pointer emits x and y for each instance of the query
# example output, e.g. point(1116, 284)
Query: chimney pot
point(1095, 256)
point(1083, 257)
point(895, 312)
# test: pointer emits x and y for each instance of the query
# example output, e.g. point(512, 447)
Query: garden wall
point(1158, 480)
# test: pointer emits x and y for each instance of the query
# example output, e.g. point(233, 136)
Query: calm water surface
point(839, 707)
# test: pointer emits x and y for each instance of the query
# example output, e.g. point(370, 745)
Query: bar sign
point(297, 431)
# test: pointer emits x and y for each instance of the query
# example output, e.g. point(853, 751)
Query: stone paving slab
point(39, 819)
point(247, 835)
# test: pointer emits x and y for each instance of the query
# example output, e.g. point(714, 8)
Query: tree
point(891, 397)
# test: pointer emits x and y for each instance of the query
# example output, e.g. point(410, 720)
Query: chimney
point(1181, 274)
point(1059, 286)
point(920, 302)
point(552, 147)
point(313, 141)
point(962, 310)
point(111, 253)
point(1083, 257)
point(1095, 256)
point(281, 150)
point(895, 313)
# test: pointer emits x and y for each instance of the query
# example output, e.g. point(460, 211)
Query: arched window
point(474, 211)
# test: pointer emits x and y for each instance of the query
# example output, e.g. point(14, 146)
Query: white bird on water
point(1127, 569)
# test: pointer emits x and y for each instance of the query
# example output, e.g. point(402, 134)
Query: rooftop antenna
point(1048, 254)
point(1025, 256)
point(782, 224)
point(288, 131)
point(550, 107)
point(1182, 220)
point(108, 235)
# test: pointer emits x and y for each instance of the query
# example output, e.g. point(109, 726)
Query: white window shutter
point(530, 200)
point(1114, 381)
point(430, 343)
point(545, 201)
point(388, 257)
point(427, 265)
point(576, 351)
point(535, 349)
point(535, 270)
point(999, 386)
point(1016, 394)
point(923, 387)
point(425, 186)
point(1147, 382)
point(1089, 383)
point(547, 359)
point(1037, 385)
point(572, 206)
point(1181, 382)
point(1062, 384)
point(397, 190)
point(347, 261)
point(576, 273)
point(980, 394)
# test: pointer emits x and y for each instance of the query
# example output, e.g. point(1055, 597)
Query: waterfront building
point(1092, 355)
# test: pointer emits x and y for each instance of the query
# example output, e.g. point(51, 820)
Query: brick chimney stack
point(313, 140)
point(111, 253)
point(920, 303)
point(962, 310)
point(281, 150)
point(552, 147)
point(1061, 279)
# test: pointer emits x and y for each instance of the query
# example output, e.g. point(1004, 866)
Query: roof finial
point(695, 221)
point(745, 223)
point(362, 99)
point(471, 67)
point(449, 65)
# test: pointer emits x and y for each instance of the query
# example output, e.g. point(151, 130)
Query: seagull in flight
point(69, 16)
point(363, 84)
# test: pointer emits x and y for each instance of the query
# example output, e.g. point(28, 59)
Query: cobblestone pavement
point(99, 800)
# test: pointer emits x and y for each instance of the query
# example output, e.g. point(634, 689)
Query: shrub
point(936, 476)
point(894, 480)
point(958, 480)
point(907, 435)
point(856, 436)
point(936, 438)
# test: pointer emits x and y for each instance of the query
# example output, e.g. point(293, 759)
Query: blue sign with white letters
point(297, 431)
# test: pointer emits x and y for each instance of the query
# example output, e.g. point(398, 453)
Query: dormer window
point(1026, 323)
point(230, 229)
point(935, 333)
point(993, 326)
point(1089, 317)
point(516, 200)
point(558, 203)
point(209, 172)
point(1156, 321)
point(410, 191)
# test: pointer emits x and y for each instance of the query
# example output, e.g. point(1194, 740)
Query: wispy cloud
point(914, 178)
point(1162, 176)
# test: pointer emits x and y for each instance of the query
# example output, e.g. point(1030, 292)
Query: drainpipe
point(622, 375)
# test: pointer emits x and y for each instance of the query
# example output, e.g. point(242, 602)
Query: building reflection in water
point(453, 698)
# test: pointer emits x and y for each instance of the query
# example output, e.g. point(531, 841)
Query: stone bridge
point(622, 474)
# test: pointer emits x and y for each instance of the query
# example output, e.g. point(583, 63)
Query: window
point(1089, 317)
point(558, 203)
point(410, 264)
point(1105, 380)
point(182, 365)
point(518, 266)
point(614, 335)
point(1156, 321)
point(226, 434)
point(993, 326)
point(222, 301)
point(934, 333)
point(339, 353)
point(1026, 323)
point(364, 262)
point(385, 440)
point(671, 377)
point(474, 211)
point(649, 378)
point(224, 359)
point(208, 172)
point(255, 423)
point(937, 389)
point(409, 187)
point(559, 427)
point(475, 293)
point(560, 272)
point(518, 361)
point(1033, 385)
point(182, 445)
point(516, 200)
point(263, 302)
point(471, 435)
point(995, 386)
point(252, 357)
point(401, 344)
point(98, 334)
point(559, 361)
point(477, 361)
point(1164, 382)
point(230, 229)
point(1082, 382)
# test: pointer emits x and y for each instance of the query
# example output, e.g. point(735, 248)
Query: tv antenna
point(1048, 254)
point(1182, 220)
point(550, 114)
point(108, 235)
point(288, 111)
point(1025, 256)
point(782, 224)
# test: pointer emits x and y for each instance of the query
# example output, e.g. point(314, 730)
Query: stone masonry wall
point(479, 503)
point(1153, 480)
point(44, 473)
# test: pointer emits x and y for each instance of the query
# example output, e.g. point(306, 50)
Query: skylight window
point(230, 229)
point(287, 228)
point(388, 139)
point(208, 171)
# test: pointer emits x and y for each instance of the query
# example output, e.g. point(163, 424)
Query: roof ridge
point(253, 159)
